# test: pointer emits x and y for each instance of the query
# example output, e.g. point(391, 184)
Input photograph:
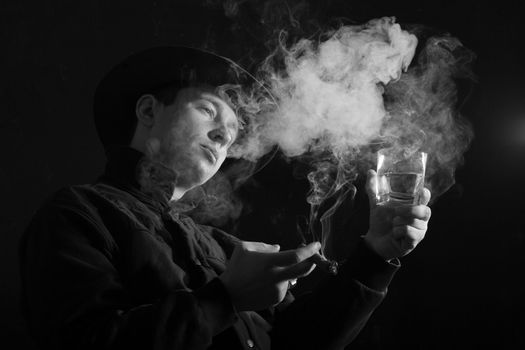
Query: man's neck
point(158, 181)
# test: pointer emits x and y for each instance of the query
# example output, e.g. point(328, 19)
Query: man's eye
point(208, 111)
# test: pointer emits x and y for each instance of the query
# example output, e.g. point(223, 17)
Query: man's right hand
point(257, 274)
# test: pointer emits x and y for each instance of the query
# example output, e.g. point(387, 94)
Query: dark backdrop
point(462, 288)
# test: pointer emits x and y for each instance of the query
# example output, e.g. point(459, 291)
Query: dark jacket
point(105, 266)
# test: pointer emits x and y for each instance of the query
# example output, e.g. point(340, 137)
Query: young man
point(109, 266)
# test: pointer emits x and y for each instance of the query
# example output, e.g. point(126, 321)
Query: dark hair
point(166, 95)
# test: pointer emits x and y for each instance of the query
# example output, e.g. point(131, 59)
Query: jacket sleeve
point(73, 296)
point(333, 314)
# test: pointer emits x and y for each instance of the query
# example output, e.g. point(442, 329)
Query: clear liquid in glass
point(400, 187)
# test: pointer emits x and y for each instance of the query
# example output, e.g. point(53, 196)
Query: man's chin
point(202, 173)
point(207, 176)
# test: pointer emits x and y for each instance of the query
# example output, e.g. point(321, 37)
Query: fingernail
point(317, 245)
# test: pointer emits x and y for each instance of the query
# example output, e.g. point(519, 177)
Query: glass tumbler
point(400, 176)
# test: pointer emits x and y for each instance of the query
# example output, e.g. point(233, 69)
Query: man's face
point(195, 133)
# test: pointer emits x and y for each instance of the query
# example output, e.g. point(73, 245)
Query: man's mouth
point(211, 153)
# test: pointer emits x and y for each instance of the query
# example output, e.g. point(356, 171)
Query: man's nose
point(220, 135)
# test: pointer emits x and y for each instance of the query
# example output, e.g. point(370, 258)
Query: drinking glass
point(400, 176)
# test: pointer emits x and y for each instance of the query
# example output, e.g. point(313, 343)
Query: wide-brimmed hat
point(148, 71)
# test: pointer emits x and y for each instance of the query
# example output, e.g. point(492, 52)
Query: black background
point(461, 288)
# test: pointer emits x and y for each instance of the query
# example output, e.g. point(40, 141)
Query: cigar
point(329, 266)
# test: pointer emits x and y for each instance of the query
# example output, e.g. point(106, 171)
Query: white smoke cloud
point(329, 93)
point(332, 99)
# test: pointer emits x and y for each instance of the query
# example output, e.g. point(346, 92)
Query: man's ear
point(145, 108)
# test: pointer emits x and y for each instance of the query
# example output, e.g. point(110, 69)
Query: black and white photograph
point(249, 174)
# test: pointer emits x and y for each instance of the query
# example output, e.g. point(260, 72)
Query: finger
point(425, 196)
point(294, 256)
point(292, 283)
point(260, 247)
point(415, 223)
point(302, 269)
point(408, 235)
point(371, 187)
point(421, 212)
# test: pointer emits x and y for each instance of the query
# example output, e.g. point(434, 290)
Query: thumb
point(371, 187)
point(260, 247)
point(425, 196)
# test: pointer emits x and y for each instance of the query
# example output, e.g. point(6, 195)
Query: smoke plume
point(335, 98)
point(329, 93)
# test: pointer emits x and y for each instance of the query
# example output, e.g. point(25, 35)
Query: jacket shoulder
point(76, 196)
point(71, 208)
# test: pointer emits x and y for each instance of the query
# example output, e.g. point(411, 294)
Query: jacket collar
point(129, 169)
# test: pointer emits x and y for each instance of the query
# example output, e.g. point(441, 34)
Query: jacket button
point(250, 343)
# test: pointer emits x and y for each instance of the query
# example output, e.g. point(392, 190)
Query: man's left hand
point(395, 230)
